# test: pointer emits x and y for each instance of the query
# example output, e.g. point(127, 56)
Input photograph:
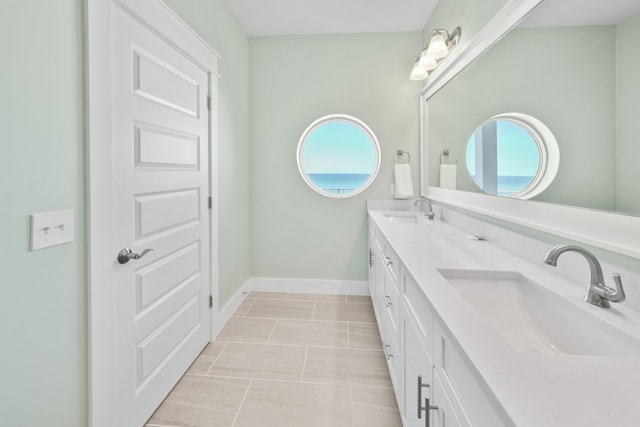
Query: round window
point(512, 155)
point(338, 156)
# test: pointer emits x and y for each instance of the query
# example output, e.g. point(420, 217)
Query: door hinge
point(210, 202)
point(209, 102)
point(210, 301)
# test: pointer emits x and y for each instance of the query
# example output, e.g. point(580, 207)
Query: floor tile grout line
point(348, 335)
point(299, 345)
point(313, 313)
point(242, 402)
point(273, 329)
point(246, 314)
point(304, 364)
point(285, 381)
point(224, 347)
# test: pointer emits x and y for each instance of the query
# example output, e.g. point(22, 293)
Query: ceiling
point(299, 17)
point(556, 13)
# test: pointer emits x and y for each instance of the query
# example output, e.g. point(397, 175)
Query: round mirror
point(512, 155)
point(338, 156)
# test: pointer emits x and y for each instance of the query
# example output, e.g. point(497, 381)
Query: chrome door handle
point(126, 254)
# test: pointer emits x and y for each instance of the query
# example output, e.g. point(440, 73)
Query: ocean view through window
point(512, 155)
point(338, 156)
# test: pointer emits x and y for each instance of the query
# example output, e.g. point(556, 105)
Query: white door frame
point(160, 19)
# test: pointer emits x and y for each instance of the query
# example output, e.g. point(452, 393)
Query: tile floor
point(288, 360)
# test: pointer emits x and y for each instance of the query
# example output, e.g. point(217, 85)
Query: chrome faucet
point(429, 214)
point(597, 293)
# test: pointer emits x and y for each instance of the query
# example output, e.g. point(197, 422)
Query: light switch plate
point(51, 228)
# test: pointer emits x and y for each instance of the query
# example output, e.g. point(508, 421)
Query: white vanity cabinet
point(384, 271)
point(434, 383)
point(425, 395)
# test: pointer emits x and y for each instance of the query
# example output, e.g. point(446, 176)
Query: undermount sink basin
point(403, 217)
point(531, 319)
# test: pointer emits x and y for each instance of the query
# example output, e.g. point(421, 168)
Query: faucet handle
point(617, 294)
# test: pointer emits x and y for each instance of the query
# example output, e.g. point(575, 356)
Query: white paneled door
point(160, 174)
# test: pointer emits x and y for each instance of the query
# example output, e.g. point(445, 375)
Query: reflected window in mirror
point(512, 155)
point(338, 156)
point(545, 67)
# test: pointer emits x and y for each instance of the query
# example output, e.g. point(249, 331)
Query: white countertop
point(534, 390)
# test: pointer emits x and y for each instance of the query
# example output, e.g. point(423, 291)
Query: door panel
point(160, 180)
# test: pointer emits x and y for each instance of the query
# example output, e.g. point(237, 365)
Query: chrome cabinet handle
point(427, 403)
point(388, 302)
point(420, 386)
point(387, 354)
point(371, 258)
point(126, 254)
point(388, 260)
point(427, 408)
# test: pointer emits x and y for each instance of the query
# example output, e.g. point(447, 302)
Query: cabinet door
point(418, 370)
point(443, 414)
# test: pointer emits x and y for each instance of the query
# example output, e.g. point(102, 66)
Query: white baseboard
point(227, 311)
point(308, 286)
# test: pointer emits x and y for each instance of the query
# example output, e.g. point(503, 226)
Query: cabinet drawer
point(419, 308)
point(392, 352)
point(460, 382)
point(393, 263)
point(391, 296)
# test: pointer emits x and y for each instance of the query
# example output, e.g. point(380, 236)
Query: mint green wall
point(43, 310)
point(297, 232)
point(627, 123)
point(213, 20)
point(555, 79)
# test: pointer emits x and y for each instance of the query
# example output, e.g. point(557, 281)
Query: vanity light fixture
point(418, 72)
point(440, 45)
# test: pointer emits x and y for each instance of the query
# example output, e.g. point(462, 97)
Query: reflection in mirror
point(503, 159)
point(338, 156)
point(573, 65)
point(512, 155)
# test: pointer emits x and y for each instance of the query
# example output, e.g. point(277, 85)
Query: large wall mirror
point(573, 65)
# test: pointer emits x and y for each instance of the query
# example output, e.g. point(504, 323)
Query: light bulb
point(418, 72)
point(438, 45)
point(428, 61)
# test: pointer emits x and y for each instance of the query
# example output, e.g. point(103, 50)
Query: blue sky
point(338, 147)
point(517, 151)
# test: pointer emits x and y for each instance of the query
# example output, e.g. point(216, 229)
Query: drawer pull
point(388, 260)
point(421, 385)
point(387, 353)
point(388, 302)
point(427, 403)
point(428, 407)
point(371, 258)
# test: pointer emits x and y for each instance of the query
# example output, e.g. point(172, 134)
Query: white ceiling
point(297, 17)
point(556, 13)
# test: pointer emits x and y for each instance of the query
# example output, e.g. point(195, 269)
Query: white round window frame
point(345, 119)
point(547, 147)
